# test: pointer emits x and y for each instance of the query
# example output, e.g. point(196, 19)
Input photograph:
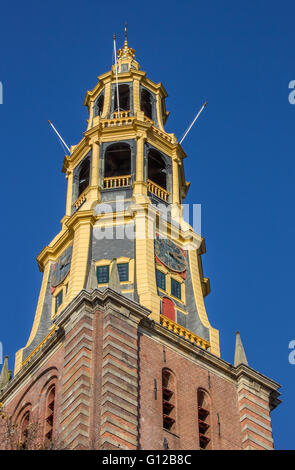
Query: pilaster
point(82, 226)
point(254, 400)
point(145, 262)
point(77, 390)
point(119, 405)
point(199, 298)
point(69, 176)
point(107, 98)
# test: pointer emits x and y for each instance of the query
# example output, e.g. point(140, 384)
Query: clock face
point(61, 267)
point(170, 254)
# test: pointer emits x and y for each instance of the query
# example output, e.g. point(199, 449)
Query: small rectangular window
point(161, 279)
point(175, 288)
point(123, 269)
point(58, 300)
point(124, 67)
point(103, 274)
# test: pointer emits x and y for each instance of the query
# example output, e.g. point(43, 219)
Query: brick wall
point(119, 392)
point(189, 377)
point(107, 360)
point(31, 393)
point(254, 404)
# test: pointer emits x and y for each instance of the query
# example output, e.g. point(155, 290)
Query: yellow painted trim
point(158, 109)
point(107, 99)
point(69, 192)
point(122, 259)
point(61, 287)
point(127, 291)
point(171, 275)
point(175, 184)
point(39, 305)
point(82, 232)
point(199, 299)
point(136, 96)
point(39, 346)
point(145, 264)
point(18, 360)
point(181, 331)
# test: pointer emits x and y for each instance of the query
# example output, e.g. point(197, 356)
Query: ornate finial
point(126, 51)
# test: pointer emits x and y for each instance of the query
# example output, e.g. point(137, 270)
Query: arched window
point(204, 419)
point(124, 98)
point(157, 169)
point(24, 430)
point(84, 176)
point(146, 103)
point(49, 414)
point(169, 400)
point(117, 160)
point(99, 105)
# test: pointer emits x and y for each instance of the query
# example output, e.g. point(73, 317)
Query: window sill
point(172, 433)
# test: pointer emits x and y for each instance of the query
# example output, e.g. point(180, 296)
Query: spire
point(114, 282)
point(126, 52)
point(5, 374)
point(240, 356)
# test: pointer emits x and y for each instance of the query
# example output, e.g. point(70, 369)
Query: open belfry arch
point(121, 348)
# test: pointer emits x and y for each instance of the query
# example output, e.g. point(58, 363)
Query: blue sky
point(240, 155)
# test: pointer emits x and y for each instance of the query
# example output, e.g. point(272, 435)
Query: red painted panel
point(168, 308)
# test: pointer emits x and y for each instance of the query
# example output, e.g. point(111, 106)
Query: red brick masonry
point(107, 359)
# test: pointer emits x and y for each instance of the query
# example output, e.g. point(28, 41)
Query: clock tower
point(126, 185)
point(121, 325)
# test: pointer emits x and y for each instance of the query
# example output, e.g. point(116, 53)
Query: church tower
point(121, 352)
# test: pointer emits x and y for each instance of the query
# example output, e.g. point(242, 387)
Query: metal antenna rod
point(117, 86)
point(59, 136)
point(205, 104)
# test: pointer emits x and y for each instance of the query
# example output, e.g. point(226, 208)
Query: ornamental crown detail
point(126, 51)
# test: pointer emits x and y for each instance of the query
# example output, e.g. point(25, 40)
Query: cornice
point(93, 130)
point(139, 314)
point(155, 87)
point(209, 359)
point(81, 216)
point(32, 366)
point(102, 81)
point(75, 154)
point(131, 74)
point(180, 152)
point(158, 138)
point(243, 370)
point(96, 299)
point(50, 252)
